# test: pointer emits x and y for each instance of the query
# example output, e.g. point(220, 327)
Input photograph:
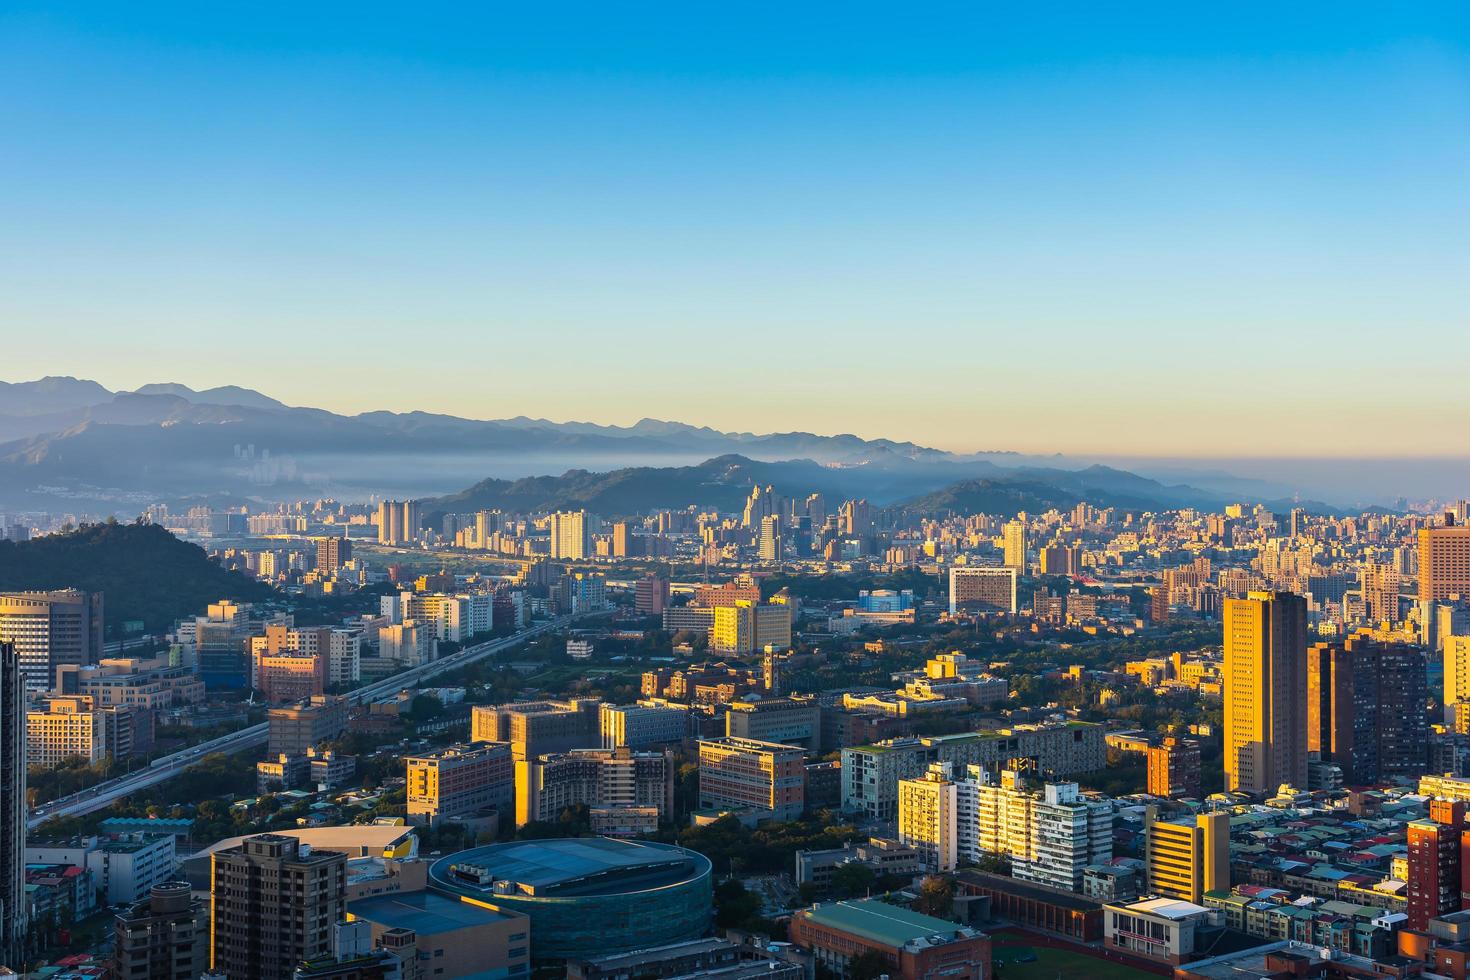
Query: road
point(165, 767)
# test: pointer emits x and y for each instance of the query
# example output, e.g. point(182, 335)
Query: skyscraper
point(12, 806)
point(770, 540)
point(1444, 561)
point(398, 521)
point(928, 813)
point(50, 629)
point(1189, 856)
point(1265, 691)
point(332, 553)
point(1365, 708)
point(1434, 863)
point(982, 588)
point(569, 537)
point(275, 904)
point(1015, 546)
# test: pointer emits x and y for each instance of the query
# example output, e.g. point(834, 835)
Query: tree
point(936, 896)
point(869, 966)
point(852, 879)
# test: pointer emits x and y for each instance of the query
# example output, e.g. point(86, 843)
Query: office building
point(163, 937)
point(1014, 541)
point(982, 589)
point(1159, 929)
point(928, 818)
point(533, 728)
point(651, 595)
point(13, 812)
point(1365, 708)
point(1456, 651)
point(642, 725)
point(51, 629)
point(459, 781)
point(746, 774)
point(1189, 856)
point(275, 903)
point(1433, 886)
point(1444, 562)
point(1265, 691)
point(441, 936)
point(912, 945)
point(570, 535)
point(295, 728)
point(770, 539)
point(599, 779)
point(65, 728)
point(794, 720)
point(587, 896)
point(1174, 769)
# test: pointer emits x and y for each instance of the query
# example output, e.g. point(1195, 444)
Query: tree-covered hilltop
point(143, 572)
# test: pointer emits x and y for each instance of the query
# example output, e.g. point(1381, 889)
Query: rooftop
point(572, 866)
point(426, 913)
point(888, 924)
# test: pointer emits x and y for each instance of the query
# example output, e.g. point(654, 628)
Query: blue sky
point(1146, 229)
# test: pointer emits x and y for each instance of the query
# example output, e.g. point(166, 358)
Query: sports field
point(1043, 963)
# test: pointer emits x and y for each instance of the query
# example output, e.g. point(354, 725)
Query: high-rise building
point(275, 902)
point(51, 629)
point(533, 728)
point(1015, 546)
point(1365, 708)
point(982, 589)
point(770, 539)
point(398, 521)
point(570, 535)
point(298, 727)
point(1380, 585)
point(1265, 691)
point(1050, 833)
point(459, 781)
point(651, 595)
point(928, 818)
point(1189, 856)
point(1174, 769)
point(624, 544)
point(1444, 561)
point(742, 773)
point(1433, 885)
point(165, 936)
point(65, 728)
point(599, 779)
point(791, 721)
point(13, 912)
point(640, 726)
point(332, 553)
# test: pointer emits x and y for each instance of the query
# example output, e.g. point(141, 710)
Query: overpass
point(165, 767)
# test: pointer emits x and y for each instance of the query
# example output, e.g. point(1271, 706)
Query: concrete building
point(451, 937)
point(65, 728)
point(165, 936)
point(398, 522)
point(604, 779)
point(275, 902)
point(1174, 769)
point(51, 630)
point(928, 818)
point(642, 725)
point(459, 781)
point(1444, 562)
point(982, 589)
point(1189, 856)
point(914, 945)
point(1159, 929)
point(870, 773)
point(1265, 691)
point(298, 727)
point(124, 867)
point(1050, 832)
point(13, 811)
point(740, 774)
point(795, 720)
point(534, 728)
point(1434, 880)
point(570, 535)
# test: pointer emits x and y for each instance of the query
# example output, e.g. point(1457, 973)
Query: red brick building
point(915, 946)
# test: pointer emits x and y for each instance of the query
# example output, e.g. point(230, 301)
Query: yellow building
point(1187, 858)
point(1265, 691)
point(928, 813)
point(68, 729)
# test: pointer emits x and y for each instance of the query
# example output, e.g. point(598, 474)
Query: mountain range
point(73, 444)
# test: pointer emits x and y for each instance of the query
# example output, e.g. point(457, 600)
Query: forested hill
point(143, 572)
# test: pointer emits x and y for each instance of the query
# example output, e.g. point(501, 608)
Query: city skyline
point(910, 225)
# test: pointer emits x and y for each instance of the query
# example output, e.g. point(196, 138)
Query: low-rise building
point(914, 945)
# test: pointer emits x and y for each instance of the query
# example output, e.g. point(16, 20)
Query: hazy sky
point(1149, 228)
